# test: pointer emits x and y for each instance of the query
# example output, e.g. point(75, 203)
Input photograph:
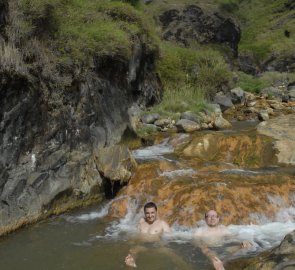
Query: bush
point(250, 84)
point(187, 68)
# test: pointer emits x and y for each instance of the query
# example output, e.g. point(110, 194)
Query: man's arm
point(211, 255)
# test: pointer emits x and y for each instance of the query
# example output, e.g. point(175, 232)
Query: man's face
point(212, 218)
point(150, 215)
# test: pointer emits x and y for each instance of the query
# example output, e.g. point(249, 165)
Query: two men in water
point(154, 227)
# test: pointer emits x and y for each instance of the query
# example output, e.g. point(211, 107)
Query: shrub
point(187, 68)
point(250, 83)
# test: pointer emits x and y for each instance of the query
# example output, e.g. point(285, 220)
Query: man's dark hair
point(150, 205)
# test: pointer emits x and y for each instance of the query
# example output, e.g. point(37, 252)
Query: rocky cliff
point(55, 118)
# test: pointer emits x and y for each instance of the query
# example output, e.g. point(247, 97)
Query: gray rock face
point(115, 163)
point(51, 135)
point(238, 95)
point(223, 100)
point(193, 23)
point(150, 118)
point(190, 116)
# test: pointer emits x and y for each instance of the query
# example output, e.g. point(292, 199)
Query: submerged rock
point(281, 257)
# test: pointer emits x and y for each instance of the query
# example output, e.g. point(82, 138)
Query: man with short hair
point(151, 227)
point(214, 233)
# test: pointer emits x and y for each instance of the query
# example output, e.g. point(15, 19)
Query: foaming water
point(243, 171)
point(153, 152)
point(180, 172)
point(264, 235)
point(92, 215)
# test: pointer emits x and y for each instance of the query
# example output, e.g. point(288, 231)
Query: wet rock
point(187, 125)
point(282, 129)
point(263, 115)
point(204, 148)
point(221, 123)
point(280, 257)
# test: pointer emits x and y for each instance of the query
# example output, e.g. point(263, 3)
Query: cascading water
point(185, 175)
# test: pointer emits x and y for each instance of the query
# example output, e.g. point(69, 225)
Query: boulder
point(190, 116)
point(187, 125)
point(150, 118)
point(192, 23)
point(263, 115)
point(238, 95)
point(221, 123)
point(223, 100)
point(115, 163)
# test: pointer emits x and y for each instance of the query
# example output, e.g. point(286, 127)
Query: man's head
point(212, 218)
point(150, 212)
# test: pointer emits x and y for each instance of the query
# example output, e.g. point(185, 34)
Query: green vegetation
point(263, 25)
point(189, 77)
point(255, 84)
point(79, 29)
point(83, 28)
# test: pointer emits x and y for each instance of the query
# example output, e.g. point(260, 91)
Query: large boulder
point(223, 101)
point(193, 23)
point(115, 163)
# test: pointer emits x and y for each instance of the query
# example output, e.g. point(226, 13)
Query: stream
point(239, 177)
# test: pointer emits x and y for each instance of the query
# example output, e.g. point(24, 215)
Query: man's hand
point(129, 261)
point(218, 265)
